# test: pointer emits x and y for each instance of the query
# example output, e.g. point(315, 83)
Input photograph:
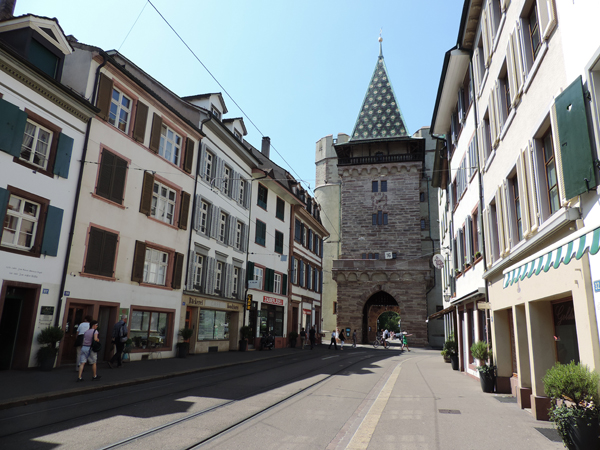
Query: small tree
point(480, 351)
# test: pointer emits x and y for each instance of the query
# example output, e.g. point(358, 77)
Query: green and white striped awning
point(562, 252)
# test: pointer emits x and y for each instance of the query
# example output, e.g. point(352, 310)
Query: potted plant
point(452, 351)
point(293, 336)
point(48, 338)
point(480, 351)
point(477, 255)
point(575, 410)
point(246, 334)
point(446, 355)
point(184, 347)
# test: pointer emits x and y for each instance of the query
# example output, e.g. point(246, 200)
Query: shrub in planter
point(487, 373)
point(445, 355)
point(575, 410)
point(48, 338)
point(451, 348)
point(184, 347)
point(293, 336)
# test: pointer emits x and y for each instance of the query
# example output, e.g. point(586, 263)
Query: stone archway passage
point(377, 304)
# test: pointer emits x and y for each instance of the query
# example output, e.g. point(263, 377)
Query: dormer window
point(237, 134)
point(215, 112)
point(43, 58)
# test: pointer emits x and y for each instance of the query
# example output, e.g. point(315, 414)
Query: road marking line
point(329, 357)
point(364, 433)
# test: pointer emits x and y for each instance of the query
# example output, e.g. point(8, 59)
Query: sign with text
point(273, 300)
point(596, 286)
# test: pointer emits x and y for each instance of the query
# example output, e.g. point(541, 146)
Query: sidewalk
point(20, 387)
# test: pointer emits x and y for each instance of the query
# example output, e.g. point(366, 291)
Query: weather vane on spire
point(380, 41)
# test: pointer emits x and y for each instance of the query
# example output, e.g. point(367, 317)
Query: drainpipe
point(77, 195)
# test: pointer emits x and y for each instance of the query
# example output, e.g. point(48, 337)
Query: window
point(550, 171)
point(213, 325)
point(383, 185)
point(197, 273)
point(242, 191)
point(534, 30)
point(279, 242)
point(226, 180)
point(111, 177)
point(514, 184)
point(150, 329)
point(262, 196)
point(258, 276)
point(156, 264)
point(261, 233)
point(475, 222)
point(421, 197)
point(239, 229)
point(35, 148)
point(304, 233)
point(298, 231)
point(164, 200)
point(101, 252)
point(237, 134)
point(204, 209)
point(335, 307)
point(218, 276)
point(301, 275)
point(280, 210)
point(423, 224)
point(316, 244)
point(374, 186)
point(21, 223)
point(235, 282)
point(309, 276)
point(208, 166)
point(223, 227)
point(380, 218)
point(277, 283)
point(295, 271)
point(472, 160)
point(120, 111)
point(215, 112)
point(170, 145)
point(310, 240)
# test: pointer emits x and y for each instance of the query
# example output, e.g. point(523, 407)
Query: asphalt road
point(357, 399)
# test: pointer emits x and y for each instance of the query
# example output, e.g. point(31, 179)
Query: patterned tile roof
point(380, 116)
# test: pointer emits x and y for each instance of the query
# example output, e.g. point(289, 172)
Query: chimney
point(266, 146)
point(7, 9)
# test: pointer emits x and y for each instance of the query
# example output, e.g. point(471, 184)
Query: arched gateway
point(377, 304)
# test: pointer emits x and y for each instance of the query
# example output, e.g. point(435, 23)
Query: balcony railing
point(380, 159)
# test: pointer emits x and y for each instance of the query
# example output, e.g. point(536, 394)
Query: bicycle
point(379, 341)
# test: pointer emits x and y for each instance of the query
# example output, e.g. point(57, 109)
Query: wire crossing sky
point(299, 70)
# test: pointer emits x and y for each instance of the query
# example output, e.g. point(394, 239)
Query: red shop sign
point(273, 301)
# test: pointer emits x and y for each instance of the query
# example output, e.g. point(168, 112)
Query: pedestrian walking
point(382, 336)
point(333, 340)
point(119, 337)
point(354, 339)
point(302, 338)
point(87, 354)
point(312, 336)
point(405, 341)
point(81, 329)
point(342, 339)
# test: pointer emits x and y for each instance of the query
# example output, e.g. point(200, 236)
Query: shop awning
point(443, 312)
point(561, 252)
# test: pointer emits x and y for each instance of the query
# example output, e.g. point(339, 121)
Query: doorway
point(75, 315)
point(18, 307)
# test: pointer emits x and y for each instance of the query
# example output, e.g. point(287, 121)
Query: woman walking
point(342, 339)
point(87, 354)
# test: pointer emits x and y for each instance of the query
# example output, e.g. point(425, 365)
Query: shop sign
point(233, 306)
point(46, 314)
point(307, 311)
point(195, 301)
point(273, 300)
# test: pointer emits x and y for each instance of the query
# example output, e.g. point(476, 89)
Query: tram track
point(214, 436)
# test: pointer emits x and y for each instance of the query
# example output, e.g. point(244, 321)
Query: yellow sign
point(249, 302)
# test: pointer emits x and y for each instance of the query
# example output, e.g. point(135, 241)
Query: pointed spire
point(380, 116)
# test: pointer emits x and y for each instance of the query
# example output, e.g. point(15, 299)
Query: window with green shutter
point(280, 211)
point(262, 196)
point(101, 252)
point(278, 242)
point(111, 177)
point(261, 233)
point(574, 137)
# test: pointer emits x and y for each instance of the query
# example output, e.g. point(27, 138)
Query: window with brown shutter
point(105, 89)
point(146, 201)
point(189, 155)
point(111, 177)
point(184, 210)
point(155, 134)
point(177, 271)
point(101, 252)
point(141, 117)
point(139, 256)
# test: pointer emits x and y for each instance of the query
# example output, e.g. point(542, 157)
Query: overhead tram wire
point(131, 29)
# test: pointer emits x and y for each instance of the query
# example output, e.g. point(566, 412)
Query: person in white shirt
point(334, 335)
point(81, 329)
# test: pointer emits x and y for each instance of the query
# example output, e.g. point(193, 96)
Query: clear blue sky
point(298, 69)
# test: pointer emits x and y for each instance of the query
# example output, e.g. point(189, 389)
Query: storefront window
point(271, 319)
point(213, 325)
point(149, 329)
